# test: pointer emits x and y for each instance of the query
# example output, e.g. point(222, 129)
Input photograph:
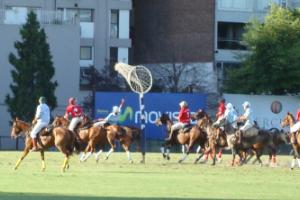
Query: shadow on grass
point(37, 196)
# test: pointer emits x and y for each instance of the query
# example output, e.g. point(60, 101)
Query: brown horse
point(289, 121)
point(102, 135)
point(189, 137)
point(59, 137)
point(216, 137)
point(91, 137)
point(125, 135)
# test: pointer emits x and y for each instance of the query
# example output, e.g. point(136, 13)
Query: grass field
point(157, 179)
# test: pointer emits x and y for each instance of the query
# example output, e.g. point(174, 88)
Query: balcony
point(18, 16)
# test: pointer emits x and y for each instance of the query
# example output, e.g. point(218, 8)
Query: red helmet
point(72, 100)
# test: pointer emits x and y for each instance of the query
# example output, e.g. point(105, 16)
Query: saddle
point(186, 129)
point(251, 132)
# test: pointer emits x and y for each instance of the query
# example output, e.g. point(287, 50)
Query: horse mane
point(291, 115)
point(22, 122)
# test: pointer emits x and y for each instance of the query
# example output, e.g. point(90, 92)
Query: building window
point(114, 24)
point(241, 5)
point(113, 55)
point(86, 53)
point(230, 36)
point(86, 15)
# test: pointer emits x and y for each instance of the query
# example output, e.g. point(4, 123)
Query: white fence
point(268, 109)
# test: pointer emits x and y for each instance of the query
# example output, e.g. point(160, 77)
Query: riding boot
point(34, 143)
point(170, 136)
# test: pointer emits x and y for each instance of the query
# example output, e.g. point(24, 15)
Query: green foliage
point(273, 64)
point(32, 73)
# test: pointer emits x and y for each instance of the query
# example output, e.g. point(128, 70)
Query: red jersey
point(184, 115)
point(73, 110)
point(298, 115)
point(221, 110)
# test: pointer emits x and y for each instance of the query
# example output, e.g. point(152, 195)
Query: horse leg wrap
point(298, 160)
point(293, 163)
point(43, 165)
point(162, 149)
point(98, 154)
point(18, 163)
point(129, 156)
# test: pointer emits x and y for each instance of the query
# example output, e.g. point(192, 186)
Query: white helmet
point(246, 104)
point(115, 109)
point(229, 106)
point(183, 103)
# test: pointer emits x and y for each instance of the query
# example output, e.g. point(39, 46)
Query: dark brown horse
point(190, 137)
point(289, 121)
point(59, 137)
point(125, 135)
point(216, 136)
point(256, 144)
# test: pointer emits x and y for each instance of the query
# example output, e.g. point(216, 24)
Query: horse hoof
point(131, 161)
point(106, 158)
point(164, 156)
point(168, 158)
point(142, 161)
point(179, 161)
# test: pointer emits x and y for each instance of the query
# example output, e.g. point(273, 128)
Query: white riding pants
point(295, 127)
point(37, 128)
point(74, 122)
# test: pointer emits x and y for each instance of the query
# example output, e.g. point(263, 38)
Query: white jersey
point(249, 116)
point(43, 113)
point(112, 118)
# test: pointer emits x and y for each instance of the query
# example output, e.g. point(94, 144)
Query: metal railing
point(43, 16)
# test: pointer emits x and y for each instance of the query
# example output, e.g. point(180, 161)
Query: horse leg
point(112, 147)
point(213, 153)
point(97, 155)
point(296, 155)
point(126, 148)
point(65, 164)
point(43, 161)
point(25, 152)
point(89, 150)
point(163, 151)
point(185, 153)
point(201, 153)
point(220, 155)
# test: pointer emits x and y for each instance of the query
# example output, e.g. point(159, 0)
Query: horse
point(92, 136)
point(289, 121)
point(107, 134)
point(216, 137)
point(186, 137)
point(125, 135)
point(59, 137)
point(256, 144)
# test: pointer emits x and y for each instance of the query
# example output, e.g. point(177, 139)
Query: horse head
point(163, 119)
point(288, 120)
point(60, 121)
point(18, 127)
point(200, 114)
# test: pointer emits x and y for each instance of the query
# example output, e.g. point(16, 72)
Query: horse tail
point(137, 136)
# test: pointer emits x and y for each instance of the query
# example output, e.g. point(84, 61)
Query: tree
point(33, 71)
point(273, 64)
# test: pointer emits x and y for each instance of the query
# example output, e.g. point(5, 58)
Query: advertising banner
point(155, 105)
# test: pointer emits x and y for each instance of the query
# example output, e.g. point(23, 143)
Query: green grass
point(157, 179)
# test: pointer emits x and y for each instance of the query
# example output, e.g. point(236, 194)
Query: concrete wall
point(63, 40)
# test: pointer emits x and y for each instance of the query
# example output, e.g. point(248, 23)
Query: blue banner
point(155, 105)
